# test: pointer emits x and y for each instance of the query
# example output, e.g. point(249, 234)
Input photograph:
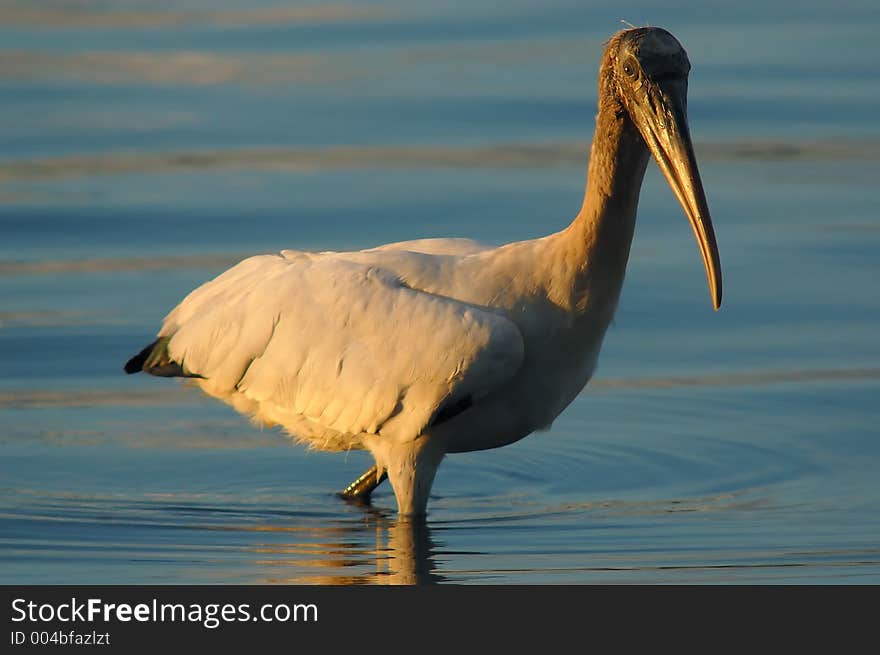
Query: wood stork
point(418, 349)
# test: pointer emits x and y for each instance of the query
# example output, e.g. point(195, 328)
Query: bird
point(421, 349)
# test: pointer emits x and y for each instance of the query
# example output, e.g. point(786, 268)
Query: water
point(146, 149)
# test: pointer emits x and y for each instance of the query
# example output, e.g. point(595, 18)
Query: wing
point(436, 246)
point(332, 348)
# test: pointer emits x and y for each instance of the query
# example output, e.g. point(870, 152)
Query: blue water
point(145, 149)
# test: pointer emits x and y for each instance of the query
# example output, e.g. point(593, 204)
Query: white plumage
point(423, 348)
point(337, 345)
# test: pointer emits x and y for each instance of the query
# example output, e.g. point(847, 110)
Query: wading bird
point(419, 349)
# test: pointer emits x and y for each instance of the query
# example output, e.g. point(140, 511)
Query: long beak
point(662, 119)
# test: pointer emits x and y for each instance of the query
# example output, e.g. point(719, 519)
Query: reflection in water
point(258, 541)
point(400, 553)
point(409, 554)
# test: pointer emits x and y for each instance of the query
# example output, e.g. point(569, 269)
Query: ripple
point(94, 398)
point(501, 155)
point(71, 16)
point(202, 537)
point(113, 264)
point(750, 378)
point(185, 394)
point(164, 68)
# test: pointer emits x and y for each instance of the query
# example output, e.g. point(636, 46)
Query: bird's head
point(645, 76)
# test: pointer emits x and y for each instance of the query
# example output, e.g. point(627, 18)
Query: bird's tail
point(155, 360)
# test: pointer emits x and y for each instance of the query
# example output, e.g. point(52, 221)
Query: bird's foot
point(360, 490)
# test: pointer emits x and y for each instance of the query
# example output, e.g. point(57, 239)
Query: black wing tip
point(154, 360)
point(136, 363)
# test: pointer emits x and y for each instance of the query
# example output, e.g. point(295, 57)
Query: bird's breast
point(559, 361)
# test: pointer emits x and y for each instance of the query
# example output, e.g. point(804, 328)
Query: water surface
point(144, 149)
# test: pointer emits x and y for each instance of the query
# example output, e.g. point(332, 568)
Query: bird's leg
point(411, 467)
point(364, 485)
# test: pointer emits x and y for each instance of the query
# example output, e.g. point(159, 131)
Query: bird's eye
point(630, 69)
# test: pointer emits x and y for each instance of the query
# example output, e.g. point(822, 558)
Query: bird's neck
point(591, 254)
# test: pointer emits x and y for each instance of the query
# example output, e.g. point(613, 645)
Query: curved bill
point(661, 116)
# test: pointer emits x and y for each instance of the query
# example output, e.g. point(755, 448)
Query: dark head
point(645, 76)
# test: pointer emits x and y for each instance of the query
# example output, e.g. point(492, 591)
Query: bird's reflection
point(409, 552)
point(378, 549)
